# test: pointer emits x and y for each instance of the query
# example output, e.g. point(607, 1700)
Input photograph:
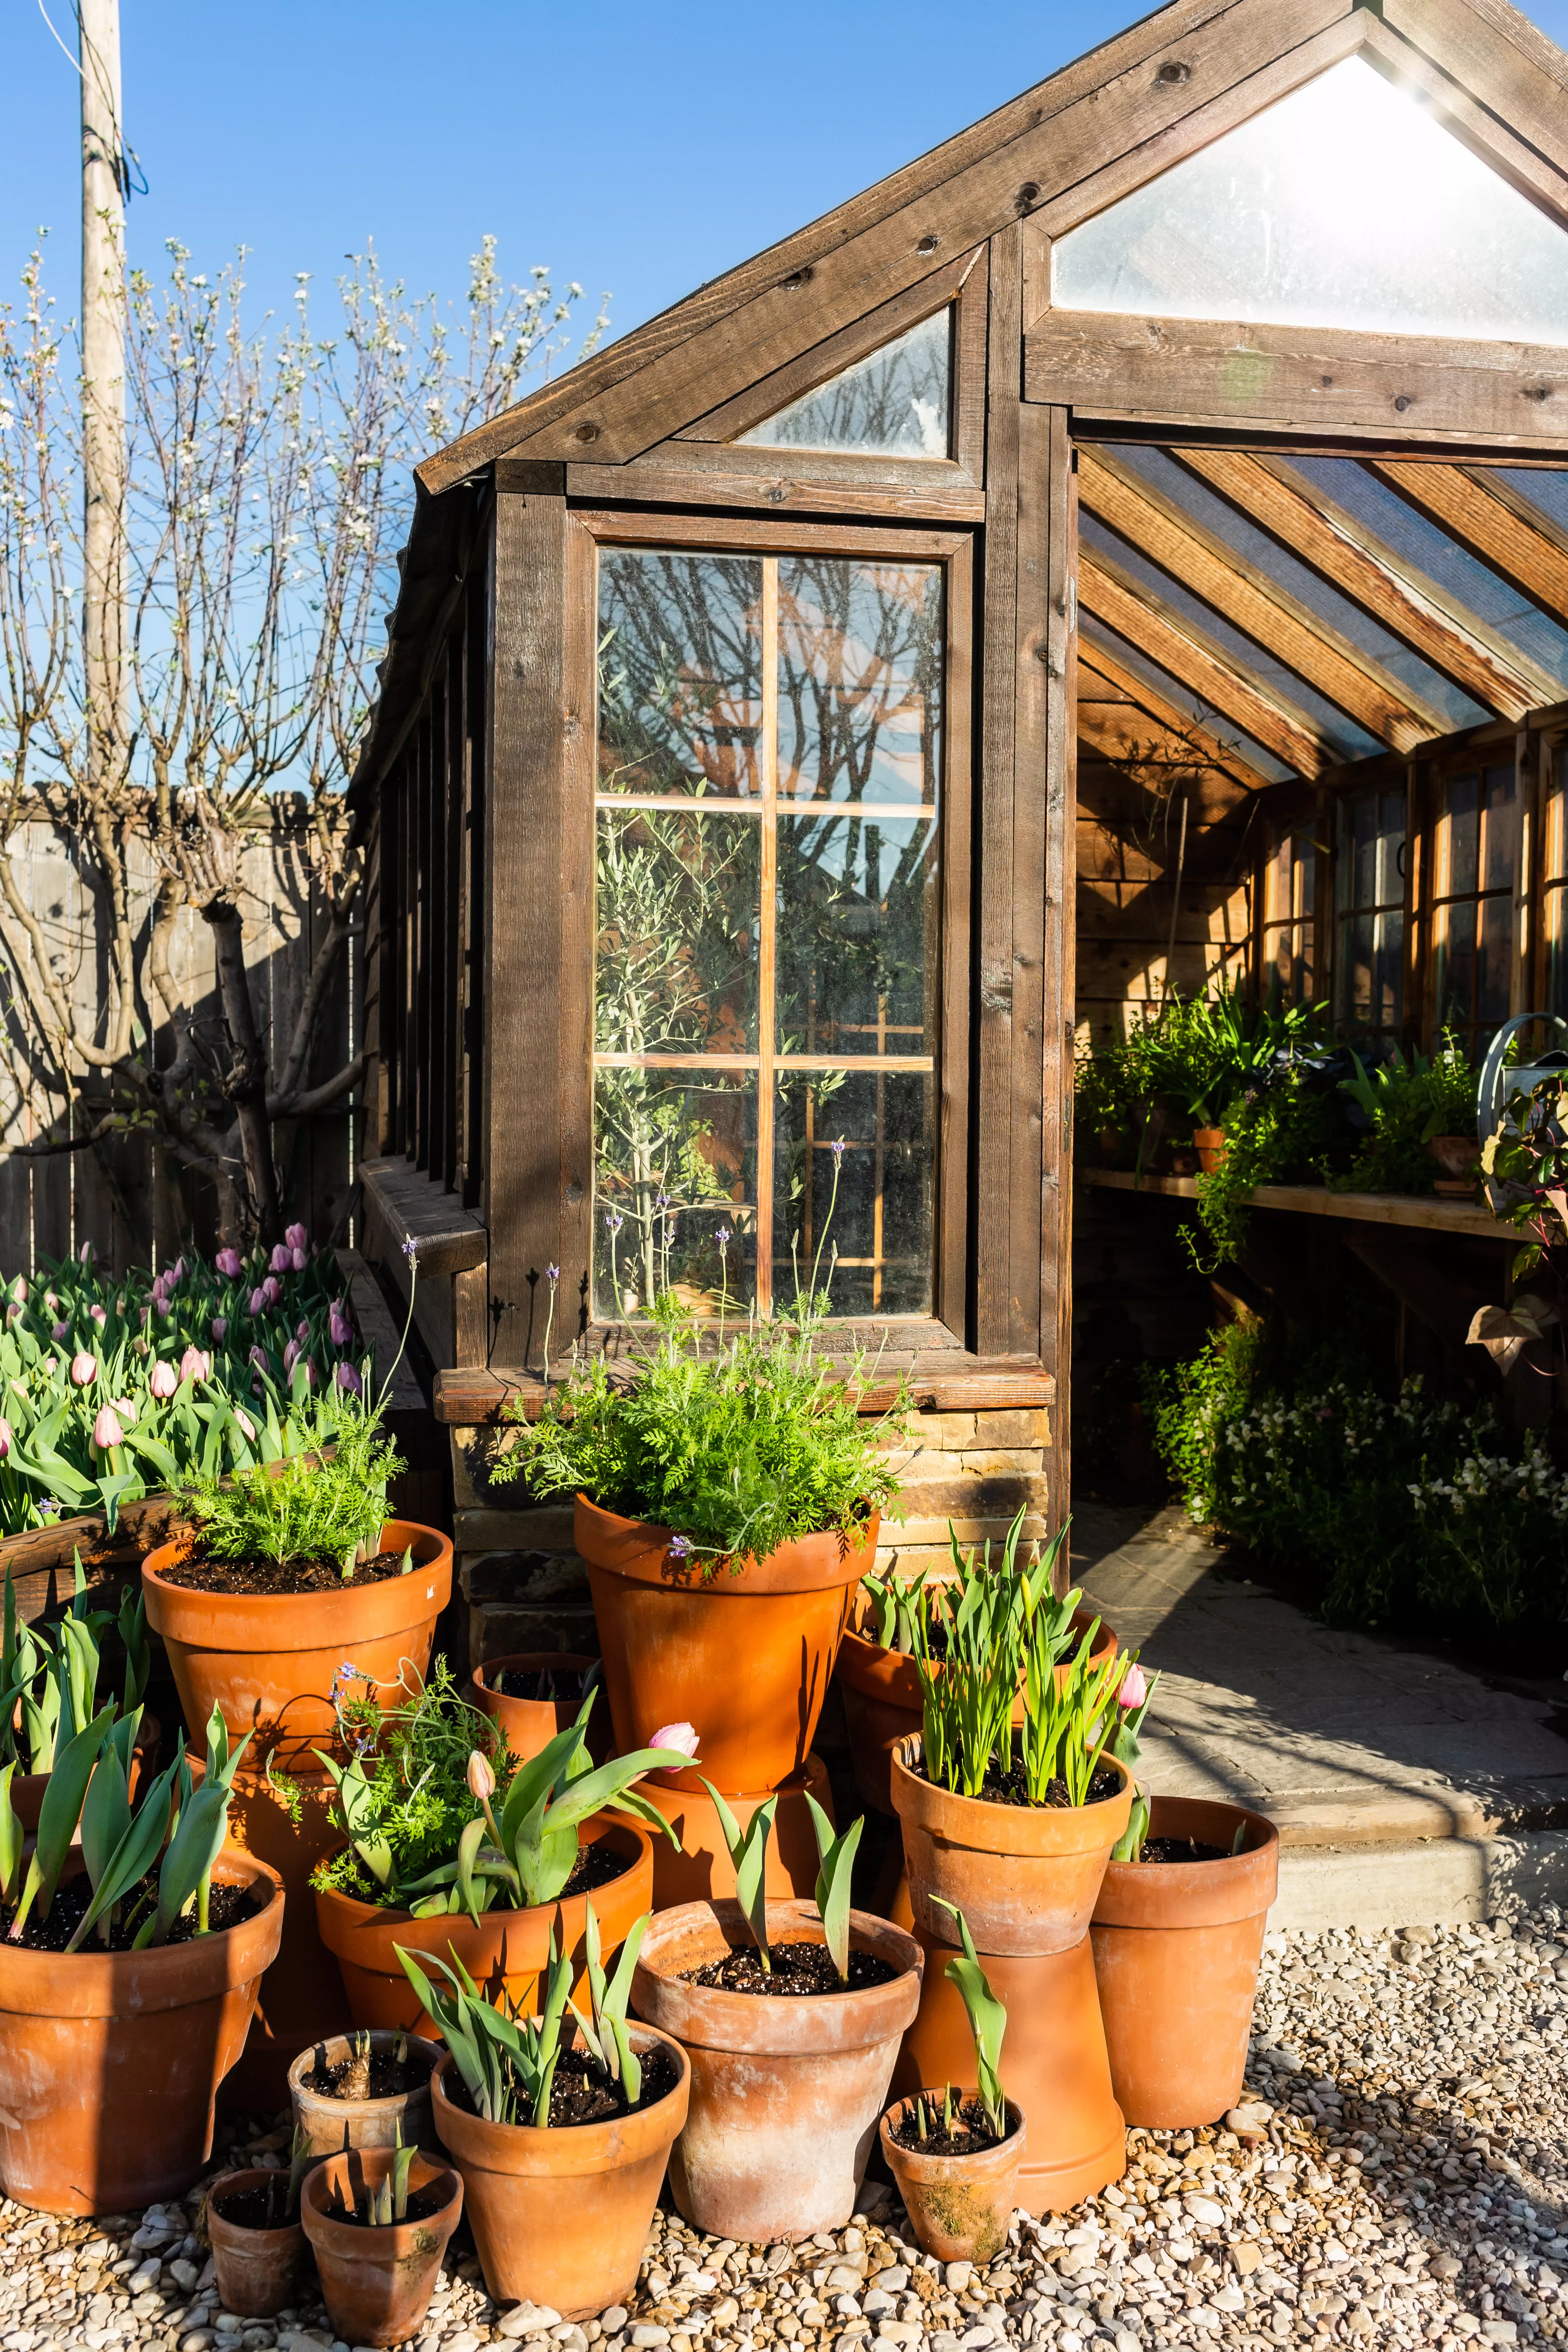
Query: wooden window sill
point(941, 1379)
point(409, 1206)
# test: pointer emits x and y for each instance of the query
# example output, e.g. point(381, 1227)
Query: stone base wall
point(525, 1588)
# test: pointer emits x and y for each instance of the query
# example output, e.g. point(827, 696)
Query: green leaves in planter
point(506, 2063)
point(837, 1854)
point(748, 1852)
point(606, 2035)
point(58, 1816)
point(987, 2023)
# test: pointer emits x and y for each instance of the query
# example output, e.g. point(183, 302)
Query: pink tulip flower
point(1134, 1690)
point(14, 1313)
point(282, 1259)
point(4, 1439)
point(59, 1331)
point(339, 1329)
point(87, 1254)
point(219, 1326)
point(51, 1302)
point(481, 1780)
point(52, 1364)
point(291, 1358)
point(99, 1316)
point(229, 1264)
point(258, 1357)
point(195, 1364)
point(124, 1407)
point(259, 1302)
point(297, 1236)
point(162, 1380)
point(349, 1380)
point(271, 1291)
point(299, 1261)
point(19, 1290)
point(84, 1367)
point(106, 1428)
point(245, 1425)
point(680, 1736)
point(302, 1330)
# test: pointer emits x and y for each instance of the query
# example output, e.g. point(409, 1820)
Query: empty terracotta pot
point(377, 2284)
point(959, 2207)
point(785, 2094)
point(882, 1702)
point(501, 1947)
point(1054, 2064)
point(110, 2061)
point(259, 2270)
point(302, 1998)
point(28, 1790)
point(266, 1661)
point(560, 2217)
point(703, 1866)
point(1024, 1877)
point(331, 2125)
point(1209, 1144)
point(744, 1652)
point(531, 1723)
point(1176, 1949)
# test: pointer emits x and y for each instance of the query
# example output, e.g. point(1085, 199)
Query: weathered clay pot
point(704, 1868)
point(531, 1723)
point(110, 2061)
point(959, 2207)
point(744, 1653)
point(1024, 1877)
point(267, 1660)
point(1456, 1156)
point(377, 2284)
point(1053, 2063)
point(560, 2217)
point(882, 1702)
point(301, 1999)
point(259, 2270)
point(503, 1947)
point(331, 2125)
point(1176, 1949)
point(1209, 1143)
point(785, 2094)
point(28, 1790)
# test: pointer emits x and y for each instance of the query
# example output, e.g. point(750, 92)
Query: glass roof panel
point(1346, 204)
point(895, 402)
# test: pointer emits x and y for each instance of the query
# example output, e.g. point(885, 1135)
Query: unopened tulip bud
point(59, 1331)
point(1134, 1690)
point(300, 1261)
point(297, 1236)
point(162, 1380)
point(4, 1439)
point(339, 1329)
point(219, 1326)
point(195, 1364)
point(99, 1316)
point(84, 1367)
point(282, 1259)
point(229, 1264)
point(106, 1428)
point(349, 1380)
point(481, 1780)
point(246, 1426)
point(259, 1302)
point(681, 1737)
point(271, 1291)
point(291, 1358)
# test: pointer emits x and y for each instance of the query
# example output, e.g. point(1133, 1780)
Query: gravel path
point(1399, 2176)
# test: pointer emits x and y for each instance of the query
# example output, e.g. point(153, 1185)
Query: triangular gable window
point(1344, 206)
point(895, 402)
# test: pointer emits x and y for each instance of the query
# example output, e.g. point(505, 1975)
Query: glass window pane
point(1455, 945)
point(1493, 956)
point(859, 681)
point(1497, 859)
point(1556, 918)
point(1458, 866)
point(881, 1223)
point(680, 676)
point(675, 1168)
point(858, 939)
point(677, 904)
point(1345, 204)
point(894, 403)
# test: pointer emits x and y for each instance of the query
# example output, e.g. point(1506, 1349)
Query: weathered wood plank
point(951, 1382)
point(943, 497)
point(1519, 541)
point(414, 1208)
point(1316, 1200)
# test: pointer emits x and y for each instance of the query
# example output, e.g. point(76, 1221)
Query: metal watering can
point(1497, 1085)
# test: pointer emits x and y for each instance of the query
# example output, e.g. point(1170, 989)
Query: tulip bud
point(88, 1253)
point(271, 1291)
point(481, 1780)
point(229, 1264)
point(51, 1302)
point(259, 1302)
point(302, 1330)
point(297, 1236)
point(258, 1357)
point(682, 1735)
point(300, 1261)
point(310, 1371)
point(19, 1290)
point(195, 1364)
point(124, 1407)
point(99, 1316)
point(162, 1380)
point(246, 1426)
point(14, 1313)
point(339, 1329)
point(4, 1439)
point(282, 1259)
point(219, 1326)
point(59, 1331)
point(349, 1380)
point(106, 1428)
point(84, 1369)
point(1134, 1690)
point(291, 1358)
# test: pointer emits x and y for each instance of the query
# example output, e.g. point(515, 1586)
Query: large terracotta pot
point(883, 1704)
point(702, 1867)
point(301, 1999)
point(260, 2272)
point(110, 2061)
point(377, 2284)
point(27, 1789)
point(785, 2094)
point(529, 1725)
point(744, 1652)
point(267, 1660)
point(331, 2125)
point(1025, 1876)
point(959, 2207)
point(1176, 1949)
point(560, 2217)
point(501, 1948)
point(1053, 2063)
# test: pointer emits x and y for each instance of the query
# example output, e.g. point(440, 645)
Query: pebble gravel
point(1397, 2173)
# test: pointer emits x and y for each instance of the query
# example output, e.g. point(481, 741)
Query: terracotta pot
point(377, 2284)
point(259, 2270)
point(882, 1702)
point(702, 1867)
point(560, 2217)
point(302, 1999)
point(28, 1790)
point(1024, 1877)
point(503, 1947)
point(1176, 1948)
point(959, 2207)
point(267, 1660)
point(1209, 1143)
point(744, 1653)
point(1456, 1156)
point(1054, 2064)
point(331, 2125)
point(531, 1723)
point(785, 2094)
point(110, 2061)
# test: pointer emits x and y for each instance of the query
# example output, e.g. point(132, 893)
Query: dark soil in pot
point(1175, 1848)
point(970, 2133)
point(579, 2094)
point(228, 1907)
point(387, 2077)
point(568, 1683)
point(422, 2203)
point(263, 2207)
point(1011, 1789)
point(799, 1972)
point(272, 1578)
point(593, 1867)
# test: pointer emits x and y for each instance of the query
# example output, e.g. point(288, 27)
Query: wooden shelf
point(945, 1381)
point(1421, 1211)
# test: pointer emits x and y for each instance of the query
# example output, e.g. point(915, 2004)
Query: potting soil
point(799, 1972)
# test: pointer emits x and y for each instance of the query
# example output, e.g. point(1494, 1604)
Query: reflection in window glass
point(1287, 886)
point(680, 679)
point(1475, 846)
point(857, 935)
point(679, 897)
point(1346, 204)
point(1369, 891)
point(894, 403)
point(880, 1242)
point(859, 681)
point(675, 1162)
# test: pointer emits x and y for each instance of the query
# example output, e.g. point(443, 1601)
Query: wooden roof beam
point(1128, 710)
point(1251, 601)
point(1491, 522)
point(1351, 558)
point(1189, 654)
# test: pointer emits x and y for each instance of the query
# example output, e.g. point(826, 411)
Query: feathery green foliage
point(331, 1505)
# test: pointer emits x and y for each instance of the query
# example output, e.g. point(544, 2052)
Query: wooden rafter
point(1128, 721)
point(1490, 521)
point(1323, 534)
point(1186, 652)
point(1253, 602)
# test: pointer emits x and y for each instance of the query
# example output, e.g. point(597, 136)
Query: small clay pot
point(673, 1632)
point(560, 2217)
point(701, 1867)
point(1456, 1156)
point(529, 1725)
point(1025, 1876)
point(1176, 1949)
point(331, 2125)
point(1209, 1143)
point(376, 2283)
point(959, 2207)
point(259, 2270)
point(785, 2094)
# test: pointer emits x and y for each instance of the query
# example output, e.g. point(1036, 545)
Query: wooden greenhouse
point(1128, 543)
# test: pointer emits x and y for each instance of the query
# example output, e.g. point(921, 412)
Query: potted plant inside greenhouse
point(450, 1846)
point(253, 2226)
point(379, 2220)
point(132, 1948)
point(791, 2014)
point(955, 2154)
point(561, 2131)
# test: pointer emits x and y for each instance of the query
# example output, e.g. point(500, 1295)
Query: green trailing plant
point(1270, 1135)
point(329, 1505)
point(507, 2061)
point(1405, 1103)
point(748, 1852)
point(835, 1855)
point(987, 2023)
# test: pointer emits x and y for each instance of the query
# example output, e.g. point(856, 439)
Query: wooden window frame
point(1339, 917)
